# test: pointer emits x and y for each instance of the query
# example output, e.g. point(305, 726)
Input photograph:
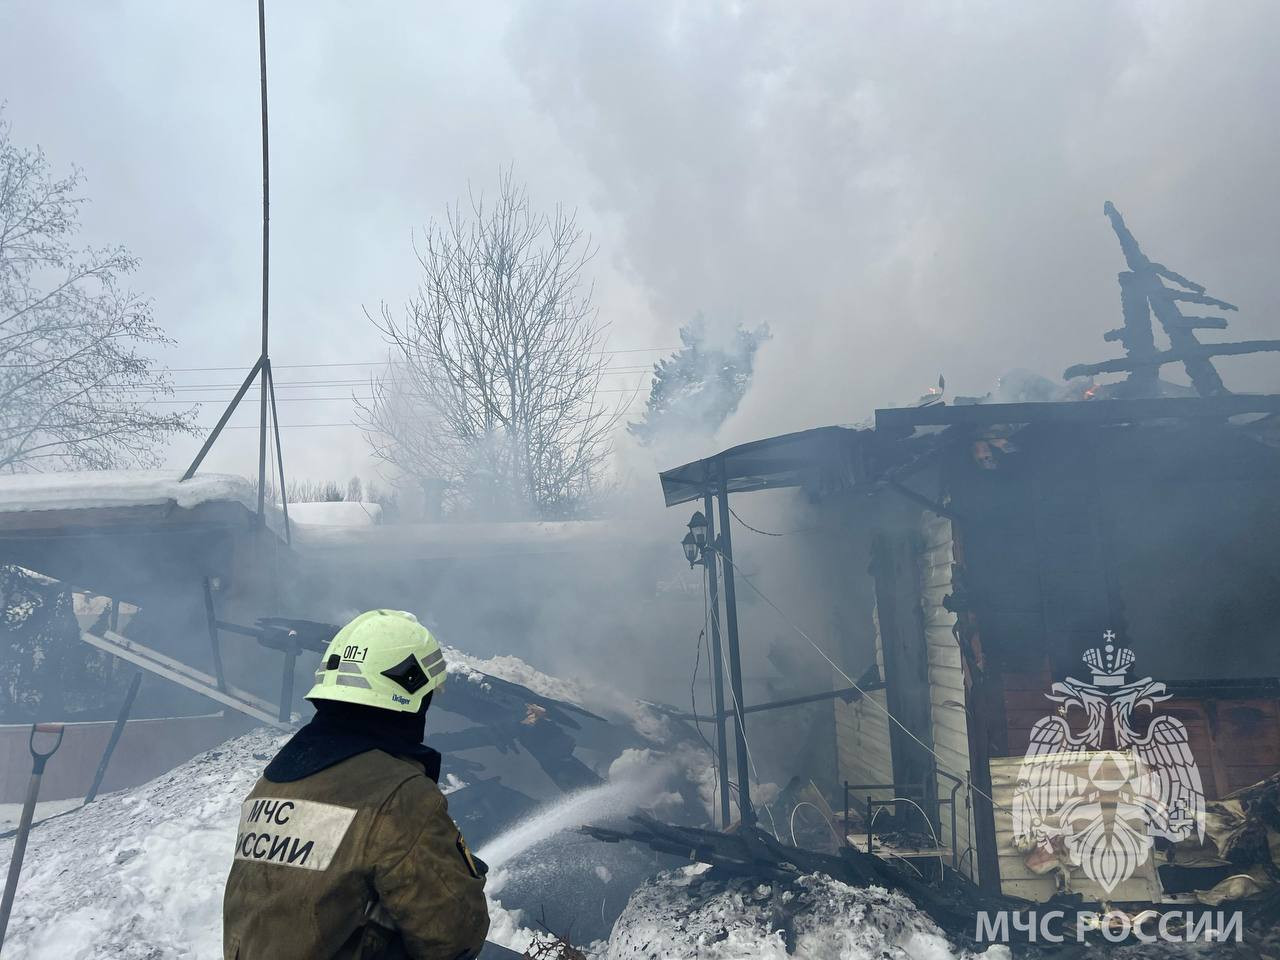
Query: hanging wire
point(866, 697)
point(840, 842)
point(766, 533)
point(357, 363)
point(942, 870)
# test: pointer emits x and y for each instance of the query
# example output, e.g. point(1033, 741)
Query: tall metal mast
point(262, 367)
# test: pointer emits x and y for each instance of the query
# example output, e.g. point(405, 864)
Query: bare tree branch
point(492, 389)
point(73, 344)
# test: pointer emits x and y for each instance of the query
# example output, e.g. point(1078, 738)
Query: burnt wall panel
point(1168, 534)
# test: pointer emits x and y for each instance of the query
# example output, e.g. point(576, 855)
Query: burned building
point(974, 554)
point(1022, 595)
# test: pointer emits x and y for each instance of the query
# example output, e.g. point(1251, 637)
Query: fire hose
point(38, 759)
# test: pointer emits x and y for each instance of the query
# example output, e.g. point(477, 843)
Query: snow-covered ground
point(138, 875)
point(11, 813)
point(686, 914)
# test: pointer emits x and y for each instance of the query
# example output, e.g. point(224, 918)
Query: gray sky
point(898, 189)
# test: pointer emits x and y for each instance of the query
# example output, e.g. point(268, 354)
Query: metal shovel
point(39, 759)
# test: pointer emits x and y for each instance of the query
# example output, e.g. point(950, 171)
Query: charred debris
point(973, 553)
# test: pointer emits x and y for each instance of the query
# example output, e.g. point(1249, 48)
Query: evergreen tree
point(701, 384)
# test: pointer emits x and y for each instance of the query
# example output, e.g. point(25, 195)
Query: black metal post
point(125, 709)
point(748, 814)
point(286, 684)
point(717, 677)
point(113, 622)
point(215, 644)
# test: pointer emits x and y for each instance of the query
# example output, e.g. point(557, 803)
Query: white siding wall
point(1016, 878)
point(862, 735)
point(946, 684)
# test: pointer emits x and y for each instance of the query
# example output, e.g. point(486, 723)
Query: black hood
point(339, 731)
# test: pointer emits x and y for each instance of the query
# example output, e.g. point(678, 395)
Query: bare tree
point(74, 375)
point(492, 392)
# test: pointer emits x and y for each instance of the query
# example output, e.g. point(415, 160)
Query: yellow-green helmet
point(382, 658)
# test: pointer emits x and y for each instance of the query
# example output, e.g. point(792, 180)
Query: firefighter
point(345, 847)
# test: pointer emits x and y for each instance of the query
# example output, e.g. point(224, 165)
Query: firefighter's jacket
point(358, 859)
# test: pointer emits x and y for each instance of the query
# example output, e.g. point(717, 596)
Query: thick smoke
point(898, 190)
point(906, 189)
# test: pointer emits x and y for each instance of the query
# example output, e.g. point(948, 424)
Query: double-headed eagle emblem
point(1105, 794)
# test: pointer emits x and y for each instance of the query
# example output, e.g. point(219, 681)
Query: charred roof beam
point(1129, 410)
point(1143, 292)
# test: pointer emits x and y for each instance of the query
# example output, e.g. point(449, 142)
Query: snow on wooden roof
point(106, 489)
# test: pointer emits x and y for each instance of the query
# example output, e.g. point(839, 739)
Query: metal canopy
point(793, 459)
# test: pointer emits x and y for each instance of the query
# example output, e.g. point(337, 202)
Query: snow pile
point(452, 783)
point(95, 489)
point(515, 670)
point(649, 721)
point(688, 913)
point(139, 875)
point(340, 513)
point(458, 664)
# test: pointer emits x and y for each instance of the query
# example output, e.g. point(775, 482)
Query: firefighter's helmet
point(382, 658)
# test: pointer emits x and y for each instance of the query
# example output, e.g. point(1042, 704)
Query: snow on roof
point(342, 513)
point(101, 489)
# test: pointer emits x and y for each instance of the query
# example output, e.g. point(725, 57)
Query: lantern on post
point(694, 543)
point(691, 551)
point(698, 527)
